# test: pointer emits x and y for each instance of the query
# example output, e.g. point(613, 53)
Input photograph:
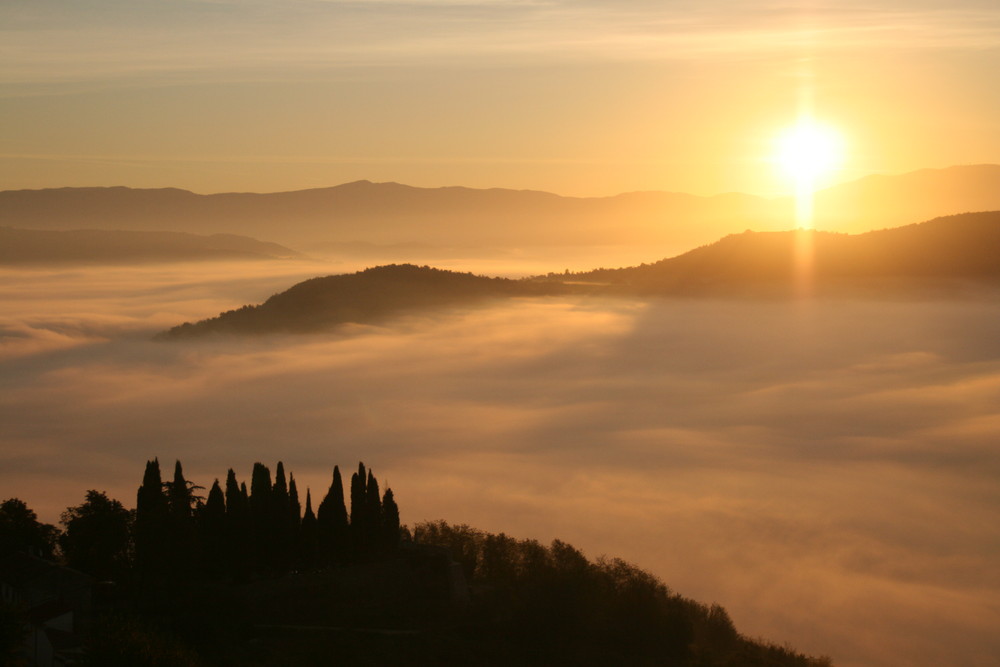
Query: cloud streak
point(206, 41)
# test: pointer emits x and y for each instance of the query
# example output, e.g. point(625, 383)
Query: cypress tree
point(177, 494)
point(260, 491)
point(293, 520)
point(359, 515)
point(331, 522)
point(308, 537)
point(308, 515)
point(234, 497)
point(373, 513)
point(261, 518)
point(280, 490)
point(238, 536)
point(151, 523)
point(390, 522)
point(294, 507)
point(215, 506)
point(212, 531)
point(359, 496)
point(280, 527)
point(150, 499)
point(183, 545)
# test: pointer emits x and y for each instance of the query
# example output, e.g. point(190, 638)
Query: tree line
point(182, 557)
point(550, 605)
point(235, 533)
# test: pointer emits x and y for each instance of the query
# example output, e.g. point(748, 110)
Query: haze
point(579, 98)
point(826, 470)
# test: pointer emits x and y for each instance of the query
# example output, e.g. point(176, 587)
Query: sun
point(809, 152)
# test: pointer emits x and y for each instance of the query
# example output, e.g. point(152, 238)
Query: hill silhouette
point(31, 246)
point(936, 254)
point(947, 253)
point(250, 576)
point(363, 297)
point(392, 213)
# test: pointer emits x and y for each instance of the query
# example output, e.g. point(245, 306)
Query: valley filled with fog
point(825, 469)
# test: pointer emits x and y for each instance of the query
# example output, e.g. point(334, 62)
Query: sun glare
point(808, 153)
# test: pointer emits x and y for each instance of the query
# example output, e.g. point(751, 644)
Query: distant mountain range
point(390, 213)
point(947, 254)
point(32, 246)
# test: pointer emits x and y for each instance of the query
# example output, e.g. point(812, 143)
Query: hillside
point(391, 213)
point(256, 579)
point(935, 254)
point(366, 296)
point(31, 246)
point(944, 254)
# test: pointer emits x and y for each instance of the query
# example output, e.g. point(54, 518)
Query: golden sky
point(578, 97)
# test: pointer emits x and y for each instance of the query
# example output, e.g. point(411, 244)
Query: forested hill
point(44, 246)
point(363, 297)
point(937, 254)
point(253, 576)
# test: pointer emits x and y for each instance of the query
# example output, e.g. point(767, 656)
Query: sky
point(581, 97)
point(825, 470)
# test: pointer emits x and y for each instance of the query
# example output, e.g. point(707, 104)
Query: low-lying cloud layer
point(827, 471)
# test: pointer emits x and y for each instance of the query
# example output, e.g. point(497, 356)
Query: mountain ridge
point(945, 249)
point(387, 213)
point(944, 255)
point(46, 246)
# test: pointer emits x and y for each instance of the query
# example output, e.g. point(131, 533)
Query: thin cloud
point(221, 42)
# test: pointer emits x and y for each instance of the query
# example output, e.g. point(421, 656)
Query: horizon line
point(500, 188)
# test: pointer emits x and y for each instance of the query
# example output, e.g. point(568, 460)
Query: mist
point(826, 470)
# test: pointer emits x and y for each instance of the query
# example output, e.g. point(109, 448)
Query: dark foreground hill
point(32, 246)
point(248, 578)
point(367, 296)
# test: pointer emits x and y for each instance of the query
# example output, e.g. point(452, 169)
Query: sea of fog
point(826, 470)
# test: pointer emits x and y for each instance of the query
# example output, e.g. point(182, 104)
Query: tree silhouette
point(373, 515)
point(261, 517)
point(294, 520)
point(331, 522)
point(97, 536)
point(151, 517)
point(280, 527)
point(20, 530)
point(308, 537)
point(237, 528)
point(390, 522)
point(359, 513)
point(212, 532)
point(182, 539)
point(181, 498)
